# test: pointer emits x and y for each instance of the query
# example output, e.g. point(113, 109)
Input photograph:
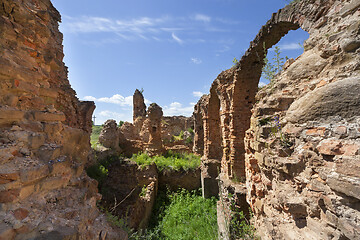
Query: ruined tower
point(155, 114)
point(138, 105)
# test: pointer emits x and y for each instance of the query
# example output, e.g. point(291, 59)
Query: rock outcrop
point(44, 133)
point(287, 146)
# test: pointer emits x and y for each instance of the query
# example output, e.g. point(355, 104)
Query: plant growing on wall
point(272, 68)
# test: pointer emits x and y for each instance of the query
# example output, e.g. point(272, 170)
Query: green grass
point(94, 138)
point(181, 216)
point(170, 161)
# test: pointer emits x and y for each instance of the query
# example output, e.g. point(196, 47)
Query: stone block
point(54, 183)
point(347, 185)
point(8, 115)
point(9, 196)
point(26, 191)
point(21, 213)
point(49, 117)
point(31, 175)
point(320, 131)
point(330, 147)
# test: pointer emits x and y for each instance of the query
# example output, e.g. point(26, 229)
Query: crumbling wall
point(198, 116)
point(302, 149)
point(44, 132)
point(300, 132)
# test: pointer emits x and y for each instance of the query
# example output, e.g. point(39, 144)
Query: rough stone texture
point(173, 125)
point(154, 146)
point(294, 165)
point(44, 133)
point(130, 192)
point(174, 180)
point(133, 137)
point(109, 135)
point(199, 115)
point(138, 105)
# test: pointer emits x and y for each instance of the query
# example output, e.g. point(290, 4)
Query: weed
point(143, 191)
point(240, 226)
point(264, 121)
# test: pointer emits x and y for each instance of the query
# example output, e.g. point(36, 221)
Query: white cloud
point(197, 94)
point(104, 115)
point(176, 38)
point(196, 60)
point(262, 84)
point(115, 99)
point(202, 17)
point(176, 108)
point(290, 46)
point(109, 114)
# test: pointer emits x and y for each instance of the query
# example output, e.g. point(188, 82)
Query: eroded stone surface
point(44, 133)
point(291, 142)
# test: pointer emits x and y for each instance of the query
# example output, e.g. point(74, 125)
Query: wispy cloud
point(290, 46)
point(202, 18)
point(163, 28)
point(176, 38)
point(196, 60)
point(177, 108)
point(197, 94)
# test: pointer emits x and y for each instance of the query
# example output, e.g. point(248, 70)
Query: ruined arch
point(240, 83)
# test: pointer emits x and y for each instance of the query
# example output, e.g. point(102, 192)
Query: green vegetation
point(179, 137)
point(169, 161)
point(121, 123)
point(270, 69)
point(239, 227)
point(94, 138)
point(181, 215)
point(100, 170)
point(264, 121)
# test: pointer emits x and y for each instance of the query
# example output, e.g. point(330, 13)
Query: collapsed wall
point(132, 138)
point(44, 133)
point(293, 150)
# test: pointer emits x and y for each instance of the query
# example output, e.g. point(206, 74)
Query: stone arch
point(241, 82)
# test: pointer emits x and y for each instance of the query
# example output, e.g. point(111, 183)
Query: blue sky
point(173, 49)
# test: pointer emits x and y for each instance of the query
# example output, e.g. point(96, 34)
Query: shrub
point(169, 161)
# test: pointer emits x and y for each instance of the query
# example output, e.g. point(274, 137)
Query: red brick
point(320, 131)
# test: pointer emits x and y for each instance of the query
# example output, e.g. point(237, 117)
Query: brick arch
point(240, 83)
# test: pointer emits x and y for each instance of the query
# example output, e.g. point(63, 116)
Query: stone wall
point(290, 143)
point(44, 133)
point(134, 137)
